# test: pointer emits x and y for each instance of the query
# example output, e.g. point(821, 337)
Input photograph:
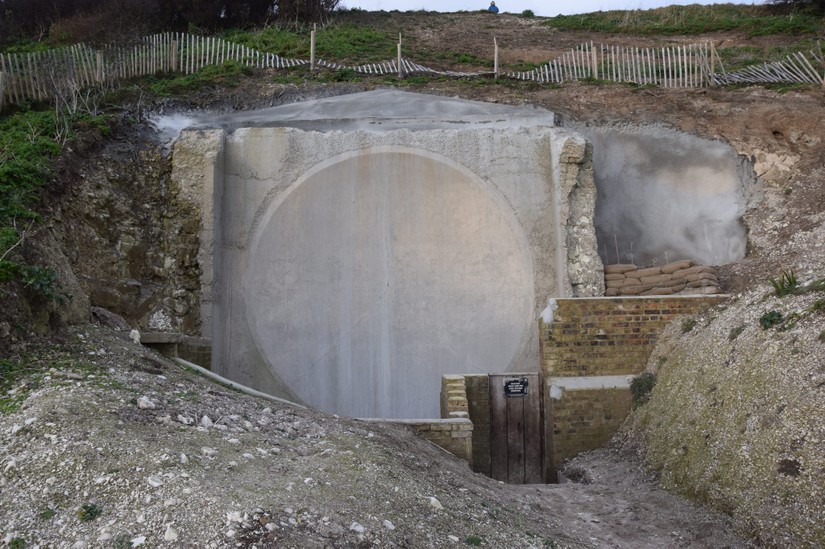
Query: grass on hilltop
point(696, 19)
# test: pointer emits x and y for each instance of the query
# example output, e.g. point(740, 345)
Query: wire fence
point(53, 73)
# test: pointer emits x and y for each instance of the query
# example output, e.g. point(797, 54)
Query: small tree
point(305, 10)
point(818, 6)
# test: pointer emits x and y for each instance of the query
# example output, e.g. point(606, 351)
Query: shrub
point(473, 540)
point(528, 13)
point(770, 319)
point(89, 511)
point(688, 324)
point(641, 387)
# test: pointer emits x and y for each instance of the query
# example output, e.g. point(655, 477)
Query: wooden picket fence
point(687, 66)
point(49, 74)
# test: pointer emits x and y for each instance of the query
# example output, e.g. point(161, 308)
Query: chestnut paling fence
point(63, 71)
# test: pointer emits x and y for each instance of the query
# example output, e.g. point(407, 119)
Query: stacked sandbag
point(680, 277)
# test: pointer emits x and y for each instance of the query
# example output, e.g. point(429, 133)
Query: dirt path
point(619, 506)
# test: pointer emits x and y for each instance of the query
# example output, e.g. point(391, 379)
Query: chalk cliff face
point(736, 417)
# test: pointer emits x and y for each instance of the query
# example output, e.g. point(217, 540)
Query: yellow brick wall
point(601, 337)
point(610, 336)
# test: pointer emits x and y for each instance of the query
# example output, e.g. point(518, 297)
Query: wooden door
point(516, 428)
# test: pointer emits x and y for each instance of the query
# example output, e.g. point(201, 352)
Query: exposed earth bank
point(116, 446)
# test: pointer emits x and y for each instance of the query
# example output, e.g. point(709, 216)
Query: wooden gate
point(517, 428)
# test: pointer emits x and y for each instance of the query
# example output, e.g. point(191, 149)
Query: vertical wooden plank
point(515, 440)
point(21, 77)
point(534, 453)
point(498, 429)
point(13, 79)
point(679, 67)
point(6, 89)
point(30, 76)
point(2, 88)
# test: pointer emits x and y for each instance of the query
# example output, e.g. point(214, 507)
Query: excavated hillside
point(107, 444)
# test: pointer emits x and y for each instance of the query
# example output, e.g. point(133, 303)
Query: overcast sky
point(540, 7)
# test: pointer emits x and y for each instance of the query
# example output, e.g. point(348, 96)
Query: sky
point(544, 8)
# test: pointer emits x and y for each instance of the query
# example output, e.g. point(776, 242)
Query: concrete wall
point(666, 195)
point(352, 268)
point(590, 352)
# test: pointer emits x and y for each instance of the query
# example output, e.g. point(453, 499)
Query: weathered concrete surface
point(353, 268)
point(666, 195)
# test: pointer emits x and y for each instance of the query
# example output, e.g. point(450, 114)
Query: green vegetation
point(46, 514)
point(27, 147)
point(10, 398)
point(688, 324)
point(89, 511)
point(736, 332)
point(227, 75)
point(17, 543)
point(785, 284)
point(473, 540)
point(641, 387)
point(770, 319)
point(695, 19)
point(528, 14)
point(30, 140)
point(821, 337)
point(345, 43)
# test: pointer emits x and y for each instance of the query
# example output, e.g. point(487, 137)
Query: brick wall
point(590, 351)
point(610, 336)
point(586, 419)
point(478, 402)
point(468, 396)
point(454, 435)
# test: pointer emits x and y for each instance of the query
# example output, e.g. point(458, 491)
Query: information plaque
point(516, 386)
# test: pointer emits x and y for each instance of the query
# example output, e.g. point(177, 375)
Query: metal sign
point(516, 387)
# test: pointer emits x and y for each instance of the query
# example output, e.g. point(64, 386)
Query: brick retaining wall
point(589, 354)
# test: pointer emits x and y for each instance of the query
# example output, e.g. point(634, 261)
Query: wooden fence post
point(312, 48)
point(712, 64)
point(495, 57)
point(173, 52)
point(2, 90)
point(400, 68)
point(595, 62)
point(99, 68)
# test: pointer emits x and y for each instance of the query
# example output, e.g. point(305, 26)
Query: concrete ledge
point(718, 297)
point(558, 385)
point(453, 435)
point(148, 338)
